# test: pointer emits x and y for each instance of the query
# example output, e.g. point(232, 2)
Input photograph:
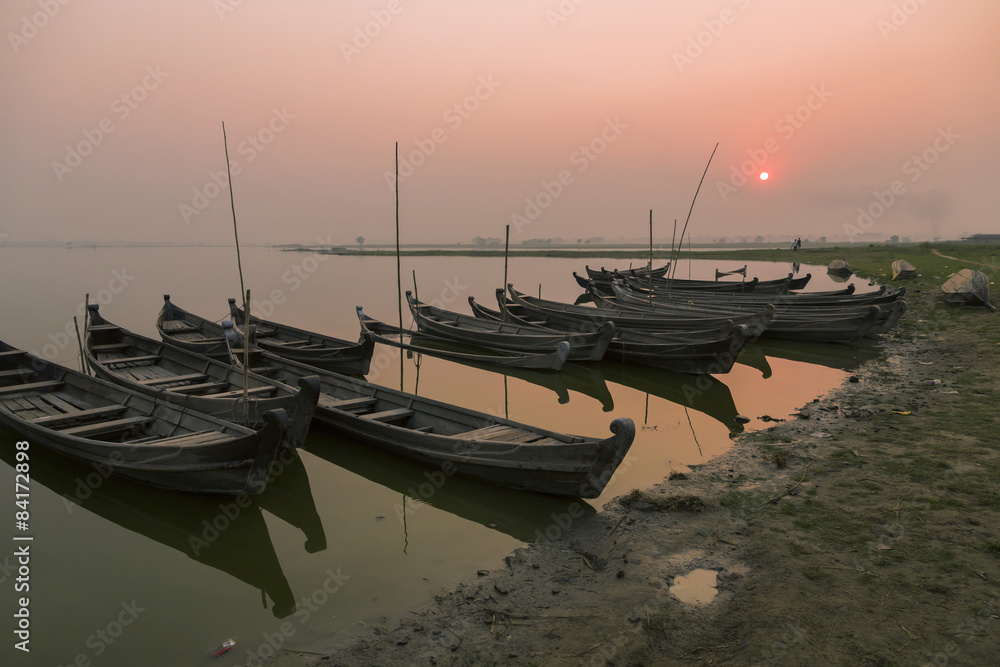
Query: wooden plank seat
point(103, 327)
point(253, 391)
point(503, 433)
point(289, 343)
point(486, 431)
point(185, 439)
point(355, 405)
point(106, 427)
point(110, 347)
point(131, 360)
point(169, 379)
point(22, 373)
point(201, 387)
point(53, 421)
point(263, 370)
point(390, 416)
point(31, 386)
point(177, 325)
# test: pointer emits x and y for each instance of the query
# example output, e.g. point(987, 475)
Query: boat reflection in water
point(702, 393)
point(571, 377)
point(839, 356)
point(189, 523)
point(523, 515)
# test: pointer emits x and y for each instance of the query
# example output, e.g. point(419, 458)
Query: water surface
point(346, 535)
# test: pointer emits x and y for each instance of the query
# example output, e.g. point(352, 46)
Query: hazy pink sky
point(497, 102)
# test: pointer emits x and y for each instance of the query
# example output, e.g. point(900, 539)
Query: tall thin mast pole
point(243, 292)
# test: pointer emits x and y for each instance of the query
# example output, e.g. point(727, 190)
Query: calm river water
point(126, 575)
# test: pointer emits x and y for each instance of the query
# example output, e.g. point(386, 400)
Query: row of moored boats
point(209, 406)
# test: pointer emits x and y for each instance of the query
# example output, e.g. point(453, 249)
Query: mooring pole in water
point(399, 276)
point(243, 290)
point(506, 249)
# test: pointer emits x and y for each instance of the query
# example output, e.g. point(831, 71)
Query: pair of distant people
point(796, 244)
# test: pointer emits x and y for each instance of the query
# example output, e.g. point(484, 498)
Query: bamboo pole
point(673, 269)
point(503, 302)
point(86, 324)
point(650, 255)
point(79, 341)
point(399, 276)
point(243, 291)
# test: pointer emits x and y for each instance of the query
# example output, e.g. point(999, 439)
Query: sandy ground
point(863, 531)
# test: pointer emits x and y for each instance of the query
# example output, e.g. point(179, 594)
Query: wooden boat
point(565, 314)
point(903, 270)
point(194, 382)
point(793, 318)
point(604, 274)
point(836, 325)
point(584, 346)
point(839, 267)
point(190, 332)
point(459, 440)
point(468, 354)
point(604, 284)
point(783, 303)
point(968, 287)
point(307, 347)
point(669, 352)
point(133, 435)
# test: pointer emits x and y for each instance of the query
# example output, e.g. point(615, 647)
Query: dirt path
point(965, 261)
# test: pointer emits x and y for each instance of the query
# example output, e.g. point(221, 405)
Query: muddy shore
point(863, 530)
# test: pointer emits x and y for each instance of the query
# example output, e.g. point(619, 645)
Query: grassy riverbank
point(863, 531)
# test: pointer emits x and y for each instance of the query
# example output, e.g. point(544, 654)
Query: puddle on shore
point(696, 587)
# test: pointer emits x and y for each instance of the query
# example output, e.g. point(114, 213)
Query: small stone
point(740, 419)
point(482, 573)
point(854, 378)
point(556, 591)
point(620, 574)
